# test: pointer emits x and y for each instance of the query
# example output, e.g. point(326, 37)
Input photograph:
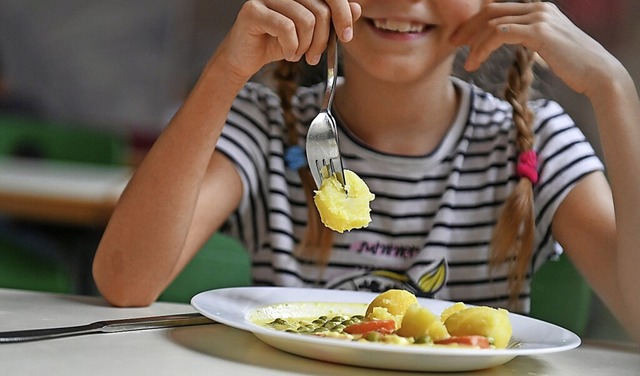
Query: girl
point(473, 192)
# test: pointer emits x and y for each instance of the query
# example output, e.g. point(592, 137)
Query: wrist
point(223, 73)
point(615, 84)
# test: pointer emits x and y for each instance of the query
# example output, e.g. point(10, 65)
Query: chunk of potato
point(395, 301)
point(381, 313)
point(451, 310)
point(486, 321)
point(419, 321)
point(343, 211)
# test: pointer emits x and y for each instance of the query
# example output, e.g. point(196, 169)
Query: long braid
point(286, 77)
point(318, 239)
point(513, 237)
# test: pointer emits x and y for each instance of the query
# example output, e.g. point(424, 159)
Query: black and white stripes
point(441, 206)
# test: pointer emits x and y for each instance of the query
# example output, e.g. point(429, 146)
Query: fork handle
point(332, 69)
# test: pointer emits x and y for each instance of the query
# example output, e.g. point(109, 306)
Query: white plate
point(234, 307)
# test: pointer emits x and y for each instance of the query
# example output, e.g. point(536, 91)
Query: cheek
point(458, 11)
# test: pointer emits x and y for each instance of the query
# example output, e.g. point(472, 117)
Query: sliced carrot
point(363, 327)
point(475, 341)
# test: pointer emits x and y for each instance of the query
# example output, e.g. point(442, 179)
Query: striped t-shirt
point(433, 215)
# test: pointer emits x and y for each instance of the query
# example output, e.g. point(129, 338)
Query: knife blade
point(106, 326)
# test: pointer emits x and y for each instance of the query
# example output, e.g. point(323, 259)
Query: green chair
point(29, 137)
point(32, 255)
point(222, 262)
point(561, 296)
point(22, 269)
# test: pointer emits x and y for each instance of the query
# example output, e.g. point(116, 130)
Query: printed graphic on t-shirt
point(382, 249)
point(423, 279)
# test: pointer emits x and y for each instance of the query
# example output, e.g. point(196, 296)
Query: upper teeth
point(400, 26)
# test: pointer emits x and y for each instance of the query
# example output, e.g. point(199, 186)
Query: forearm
point(617, 109)
point(146, 235)
point(151, 232)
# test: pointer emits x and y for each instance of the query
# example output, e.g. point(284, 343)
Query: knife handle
point(49, 333)
point(107, 326)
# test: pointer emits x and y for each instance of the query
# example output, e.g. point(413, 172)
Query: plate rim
point(241, 322)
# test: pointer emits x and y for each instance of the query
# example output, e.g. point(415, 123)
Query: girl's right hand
point(272, 30)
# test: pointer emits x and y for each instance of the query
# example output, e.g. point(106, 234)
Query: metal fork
point(323, 153)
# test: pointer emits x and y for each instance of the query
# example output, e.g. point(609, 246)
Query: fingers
point(499, 24)
point(302, 26)
point(337, 13)
point(314, 43)
point(490, 12)
point(270, 30)
point(291, 23)
point(498, 33)
point(344, 14)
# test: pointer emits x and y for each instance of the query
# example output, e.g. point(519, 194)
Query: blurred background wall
point(114, 64)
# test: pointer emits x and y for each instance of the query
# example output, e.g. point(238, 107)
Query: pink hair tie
point(528, 165)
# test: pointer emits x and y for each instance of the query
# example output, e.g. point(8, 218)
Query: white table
point(216, 349)
point(61, 192)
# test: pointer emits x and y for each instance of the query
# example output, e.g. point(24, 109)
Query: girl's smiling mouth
point(399, 26)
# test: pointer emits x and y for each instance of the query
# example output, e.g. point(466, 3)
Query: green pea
point(373, 337)
point(422, 339)
point(330, 324)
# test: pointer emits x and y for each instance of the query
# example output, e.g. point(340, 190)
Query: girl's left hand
point(576, 58)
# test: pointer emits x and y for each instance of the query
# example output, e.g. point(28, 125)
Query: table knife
point(106, 326)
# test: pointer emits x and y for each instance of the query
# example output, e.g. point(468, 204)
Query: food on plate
point(394, 301)
point(451, 310)
point(342, 210)
point(419, 322)
point(484, 321)
point(396, 317)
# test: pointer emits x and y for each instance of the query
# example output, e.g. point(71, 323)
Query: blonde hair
point(318, 239)
point(513, 236)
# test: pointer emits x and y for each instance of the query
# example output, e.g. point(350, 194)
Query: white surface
point(217, 349)
point(235, 306)
point(77, 181)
